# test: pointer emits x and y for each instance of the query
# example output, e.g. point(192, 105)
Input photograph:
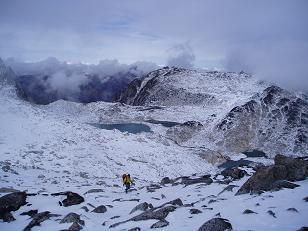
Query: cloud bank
point(266, 37)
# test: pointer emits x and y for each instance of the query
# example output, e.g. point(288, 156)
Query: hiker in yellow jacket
point(126, 181)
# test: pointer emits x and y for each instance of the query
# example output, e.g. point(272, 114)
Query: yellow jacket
point(127, 180)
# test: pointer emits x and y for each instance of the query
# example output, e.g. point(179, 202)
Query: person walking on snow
point(126, 182)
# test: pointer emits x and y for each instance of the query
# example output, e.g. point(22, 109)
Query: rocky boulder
point(142, 207)
point(275, 177)
point(160, 224)
point(11, 202)
point(216, 224)
point(263, 179)
point(72, 198)
point(72, 218)
point(38, 219)
point(297, 169)
point(234, 173)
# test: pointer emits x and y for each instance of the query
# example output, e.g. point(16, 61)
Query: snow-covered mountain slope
point(238, 112)
point(52, 148)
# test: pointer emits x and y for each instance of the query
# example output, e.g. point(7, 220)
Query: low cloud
point(181, 55)
point(76, 82)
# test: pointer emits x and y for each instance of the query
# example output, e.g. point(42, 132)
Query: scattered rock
point(94, 191)
point(143, 207)
point(72, 198)
point(153, 187)
point(30, 213)
point(135, 229)
point(234, 173)
point(38, 219)
point(229, 188)
point(204, 180)
point(216, 224)
point(85, 208)
point(100, 209)
point(166, 180)
point(160, 214)
point(248, 211)
point(11, 202)
point(292, 210)
point(75, 227)
point(212, 201)
point(195, 211)
point(72, 217)
point(217, 215)
point(305, 199)
point(160, 224)
point(270, 212)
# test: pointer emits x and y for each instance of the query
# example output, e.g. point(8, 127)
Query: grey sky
point(266, 37)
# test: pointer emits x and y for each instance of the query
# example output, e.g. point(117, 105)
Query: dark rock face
point(160, 224)
point(234, 173)
point(11, 202)
point(216, 224)
point(100, 209)
point(143, 207)
point(276, 176)
point(127, 96)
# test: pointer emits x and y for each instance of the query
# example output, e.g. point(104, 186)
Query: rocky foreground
point(240, 198)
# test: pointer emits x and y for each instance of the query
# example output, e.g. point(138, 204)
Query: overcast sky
point(265, 37)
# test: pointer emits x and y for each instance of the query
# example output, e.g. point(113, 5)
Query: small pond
point(167, 124)
point(255, 153)
point(235, 163)
point(133, 128)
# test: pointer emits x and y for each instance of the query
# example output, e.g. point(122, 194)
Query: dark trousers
point(127, 187)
